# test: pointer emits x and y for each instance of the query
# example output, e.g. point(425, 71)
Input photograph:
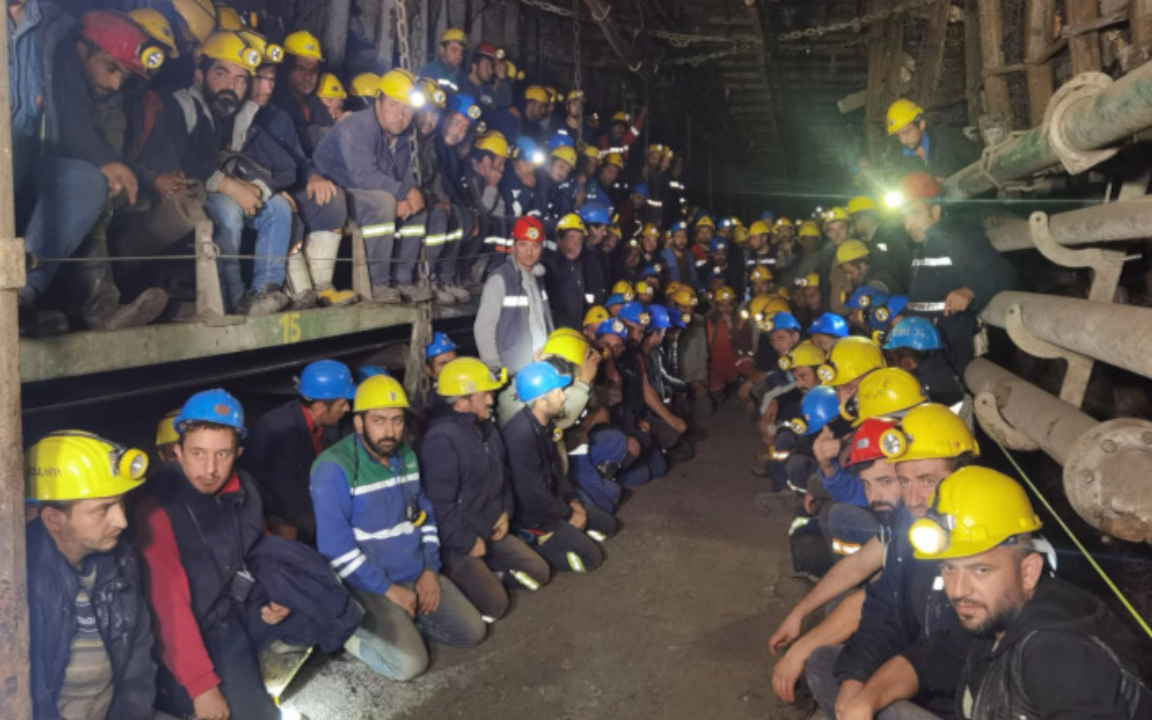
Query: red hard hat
point(528, 229)
point(866, 441)
point(920, 186)
point(121, 38)
point(487, 49)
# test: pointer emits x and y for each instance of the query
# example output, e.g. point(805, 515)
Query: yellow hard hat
point(782, 222)
point(650, 230)
point(331, 87)
point(644, 288)
point(806, 354)
point(763, 307)
point(673, 286)
point(760, 227)
point(740, 234)
point(493, 141)
point(706, 221)
point(851, 250)
point(156, 26)
point(303, 44)
point(536, 94)
point(228, 19)
point(683, 297)
point(724, 294)
point(565, 153)
point(365, 85)
point(379, 392)
point(623, 287)
point(592, 152)
point(928, 432)
point(227, 46)
point(596, 315)
point(574, 95)
point(455, 35)
point(975, 510)
point(900, 113)
point(808, 229)
point(860, 204)
point(75, 465)
point(434, 95)
point(198, 15)
point(614, 159)
point(165, 429)
point(886, 392)
point(573, 348)
point(760, 272)
point(810, 280)
point(835, 214)
point(271, 53)
point(512, 72)
point(571, 221)
point(465, 376)
point(851, 358)
point(622, 117)
point(400, 85)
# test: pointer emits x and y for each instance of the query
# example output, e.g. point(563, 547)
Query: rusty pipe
point(1112, 222)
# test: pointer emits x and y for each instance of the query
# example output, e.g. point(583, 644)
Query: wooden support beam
point(929, 71)
point(1084, 49)
point(1140, 20)
point(972, 78)
point(1037, 35)
point(996, 101)
point(874, 108)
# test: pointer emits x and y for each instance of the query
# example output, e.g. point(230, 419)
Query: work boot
point(266, 302)
point(38, 323)
point(320, 250)
point(147, 306)
point(441, 296)
point(331, 297)
point(303, 300)
point(415, 293)
point(386, 294)
point(458, 292)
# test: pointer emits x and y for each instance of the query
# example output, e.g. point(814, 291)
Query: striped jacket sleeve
point(335, 538)
point(429, 535)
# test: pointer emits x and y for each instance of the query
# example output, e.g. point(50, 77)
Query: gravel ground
point(673, 626)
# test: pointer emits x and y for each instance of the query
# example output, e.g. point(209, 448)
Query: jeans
point(477, 577)
point(273, 225)
point(567, 548)
point(72, 195)
point(825, 687)
point(391, 643)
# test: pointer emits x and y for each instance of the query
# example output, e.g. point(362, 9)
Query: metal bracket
point(987, 410)
point(1073, 159)
point(1105, 264)
point(1079, 366)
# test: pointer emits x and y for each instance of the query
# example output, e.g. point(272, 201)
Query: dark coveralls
point(446, 220)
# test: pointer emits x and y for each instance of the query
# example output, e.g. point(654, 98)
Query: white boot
point(299, 281)
point(321, 249)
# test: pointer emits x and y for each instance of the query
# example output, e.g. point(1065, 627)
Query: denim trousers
point(273, 226)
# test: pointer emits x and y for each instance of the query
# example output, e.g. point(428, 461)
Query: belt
point(932, 262)
point(926, 307)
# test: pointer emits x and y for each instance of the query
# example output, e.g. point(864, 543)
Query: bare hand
point(403, 210)
point(428, 592)
point(785, 675)
point(320, 189)
point(633, 447)
point(500, 530)
point(587, 372)
point(403, 597)
point(211, 705)
point(958, 301)
point(245, 194)
point(478, 549)
point(849, 689)
point(171, 183)
point(273, 613)
point(770, 414)
point(415, 200)
point(120, 179)
point(809, 504)
point(644, 426)
point(825, 448)
point(579, 519)
point(788, 631)
point(678, 425)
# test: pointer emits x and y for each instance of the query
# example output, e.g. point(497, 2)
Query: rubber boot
point(321, 249)
point(299, 282)
point(94, 291)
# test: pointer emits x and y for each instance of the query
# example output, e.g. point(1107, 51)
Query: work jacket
point(540, 487)
point(438, 71)
point(566, 282)
point(503, 321)
point(431, 177)
point(946, 149)
point(272, 142)
point(122, 617)
point(311, 118)
point(520, 199)
point(358, 154)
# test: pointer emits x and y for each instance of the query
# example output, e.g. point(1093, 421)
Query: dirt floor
point(673, 626)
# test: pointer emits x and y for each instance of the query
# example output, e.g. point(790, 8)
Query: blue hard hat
point(560, 139)
point(440, 344)
point(615, 299)
point(613, 326)
point(829, 324)
point(212, 406)
point(595, 214)
point(537, 379)
point(719, 243)
point(527, 149)
point(678, 318)
point(634, 312)
point(865, 297)
point(819, 407)
point(916, 333)
point(652, 270)
point(661, 320)
point(642, 189)
point(784, 321)
point(326, 380)
point(726, 223)
point(367, 371)
point(678, 226)
point(895, 305)
point(767, 215)
point(463, 104)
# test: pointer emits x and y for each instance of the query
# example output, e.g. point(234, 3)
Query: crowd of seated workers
point(611, 323)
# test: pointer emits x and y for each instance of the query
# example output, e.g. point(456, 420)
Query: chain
point(855, 24)
point(697, 60)
point(548, 7)
point(681, 40)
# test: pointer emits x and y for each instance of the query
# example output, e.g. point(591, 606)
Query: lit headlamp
point(826, 373)
point(882, 314)
point(931, 535)
point(473, 113)
point(894, 199)
point(152, 57)
point(537, 158)
point(894, 443)
point(798, 426)
point(785, 362)
point(416, 99)
point(801, 282)
point(128, 462)
point(274, 53)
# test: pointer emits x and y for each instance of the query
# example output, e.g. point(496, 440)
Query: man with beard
point(321, 208)
point(679, 263)
point(519, 187)
point(558, 191)
point(451, 158)
point(486, 167)
point(370, 156)
point(445, 69)
point(1040, 647)
point(478, 82)
point(297, 96)
point(838, 229)
point(377, 528)
point(535, 107)
point(195, 134)
point(565, 279)
point(88, 132)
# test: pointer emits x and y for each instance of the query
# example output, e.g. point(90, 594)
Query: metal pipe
point(1116, 334)
point(1090, 123)
point(1119, 221)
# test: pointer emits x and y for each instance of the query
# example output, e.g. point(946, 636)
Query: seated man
point(187, 139)
point(90, 631)
point(548, 509)
point(914, 345)
point(482, 176)
point(89, 132)
point(668, 430)
point(297, 96)
point(452, 139)
point(286, 440)
point(465, 476)
point(368, 154)
point(377, 528)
